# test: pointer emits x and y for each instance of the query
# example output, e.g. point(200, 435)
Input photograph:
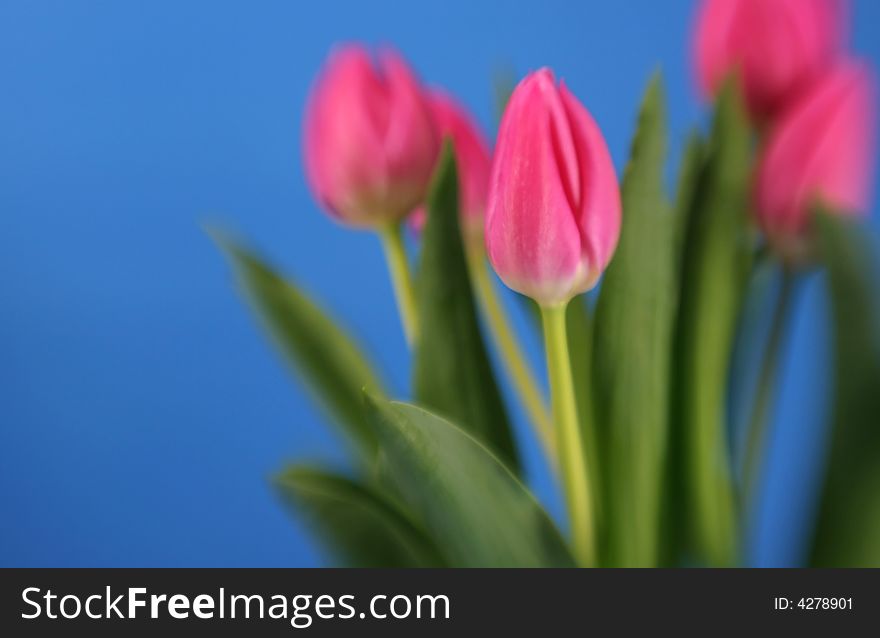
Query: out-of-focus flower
point(370, 142)
point(776, 46)
point(821, 149)
point(473, 162)
point(553, 216)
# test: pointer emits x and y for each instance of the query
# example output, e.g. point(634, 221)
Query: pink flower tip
point(822, 149)
point(776, 46)
point(553, 214)
point(370, 142)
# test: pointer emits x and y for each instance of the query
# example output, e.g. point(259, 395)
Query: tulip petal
point(411, 142)
point(777, 46)
point(599, 212)
point(532, 238)
point(345, 117)
point(842, 165)
point(369, 139)
point(562, 140)
point(472, 158)
point(822, 147)
point(713, 21)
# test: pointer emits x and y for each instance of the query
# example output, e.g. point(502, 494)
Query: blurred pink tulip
point(473, 163)
point(553, 216)
point(370, 143)
point(822, 148)
point(777, 46)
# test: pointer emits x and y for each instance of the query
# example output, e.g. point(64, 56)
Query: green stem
point(757, 426)
point(401, 279)
point(511, 354)
point(572, 459)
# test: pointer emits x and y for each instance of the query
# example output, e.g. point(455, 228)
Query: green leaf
point(716, 259)
point(358, 524)
point(452, 374)
point(633, 336)
point(326, 358)
point(692, 162)
point(675, 523)
point(471, 504)
point(848, 528)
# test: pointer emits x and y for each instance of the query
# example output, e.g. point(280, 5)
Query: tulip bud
point(473, 161)
point(776, 46)
point(553, 216)
point(822, 149)
point(370, 142)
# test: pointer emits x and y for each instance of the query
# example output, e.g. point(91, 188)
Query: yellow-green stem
point(401, 278)
point(570, 448)
point(511, 354)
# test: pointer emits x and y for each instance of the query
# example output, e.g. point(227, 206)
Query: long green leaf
point(633, 336)
point(675, 516)
point(848, 529)
point(452, 373)
point(326, 358)
point(689, 173)
point(477, 511)
point(360, 526)
point(716, 261)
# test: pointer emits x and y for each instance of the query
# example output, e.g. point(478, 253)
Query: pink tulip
point(822, 148)
point(777, 46)
point(553, 217)
point(370, 143)
point(473, 163)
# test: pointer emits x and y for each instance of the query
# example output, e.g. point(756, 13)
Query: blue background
point(141, 412)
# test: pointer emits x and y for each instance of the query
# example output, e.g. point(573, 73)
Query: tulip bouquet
point(638, 424)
